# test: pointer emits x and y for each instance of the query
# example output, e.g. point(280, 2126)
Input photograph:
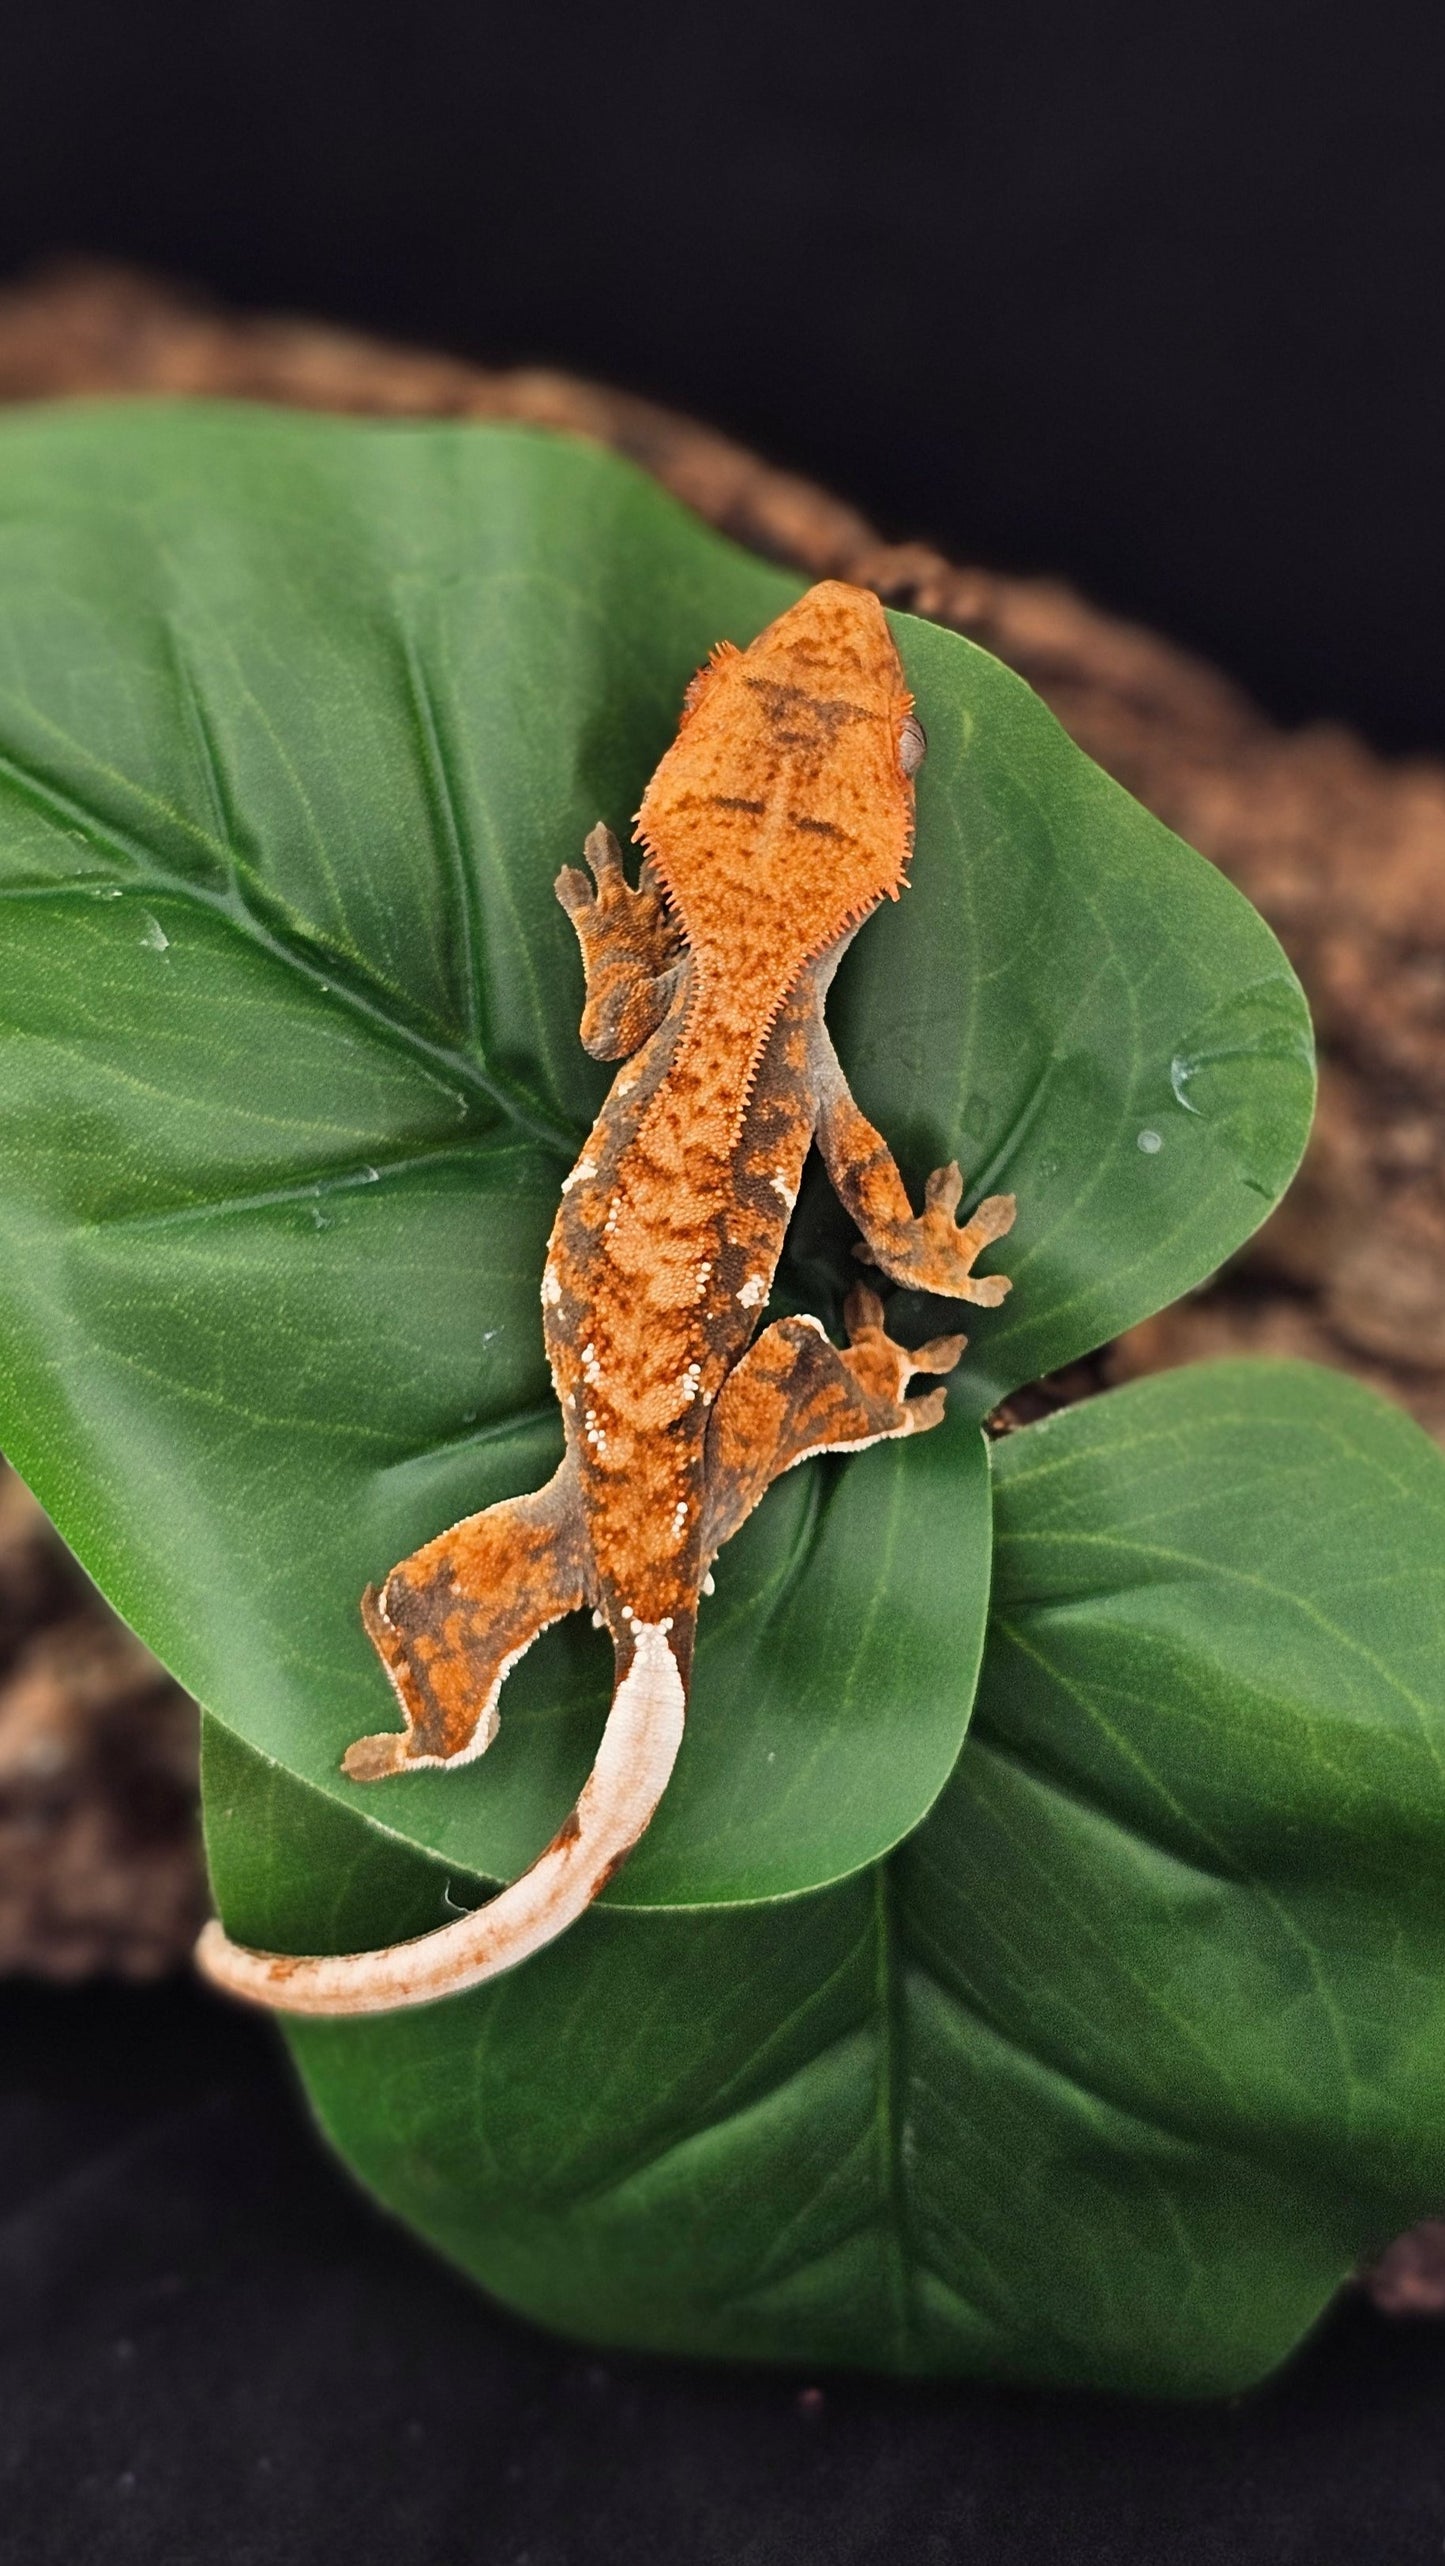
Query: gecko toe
point(941, 1354)
point(605, 857)
point(944, 1189)
point(573, 890)
point(995, 1216)
point(862, 1309)
point(370, 1759)
point(925, 1412)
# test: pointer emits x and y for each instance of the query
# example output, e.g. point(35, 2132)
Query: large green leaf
point(1108, 2076)
point(297, 721)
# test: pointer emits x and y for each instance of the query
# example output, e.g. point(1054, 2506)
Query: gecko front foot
point(629, 943)
point(934, 1253)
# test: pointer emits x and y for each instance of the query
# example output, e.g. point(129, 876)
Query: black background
point(1151, 292)
point(1148, 294)
point(213, 2353)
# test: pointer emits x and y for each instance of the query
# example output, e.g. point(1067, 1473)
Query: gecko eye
point(912, 745)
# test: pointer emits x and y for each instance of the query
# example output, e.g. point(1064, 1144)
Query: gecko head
point(783, 812)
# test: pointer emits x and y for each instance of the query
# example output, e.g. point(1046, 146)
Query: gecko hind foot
point(450, 1623)
point(883, 1369)
point(371, 1759)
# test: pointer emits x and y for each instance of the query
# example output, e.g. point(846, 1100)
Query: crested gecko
point(781, 815)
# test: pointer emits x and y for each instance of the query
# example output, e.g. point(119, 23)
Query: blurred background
point(1147, 297)
point(1144, 300)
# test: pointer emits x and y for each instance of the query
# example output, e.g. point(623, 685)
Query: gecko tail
point(633, 1766)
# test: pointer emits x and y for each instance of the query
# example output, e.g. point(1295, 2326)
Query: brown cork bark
point(99, 1863)
point(1343, 851)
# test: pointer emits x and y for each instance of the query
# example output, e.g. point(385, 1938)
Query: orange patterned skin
point(779, 818)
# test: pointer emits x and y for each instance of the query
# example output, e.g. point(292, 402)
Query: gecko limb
point(930, 1251)
point(795, 1393)
point(629, 947)
point(451, 1622)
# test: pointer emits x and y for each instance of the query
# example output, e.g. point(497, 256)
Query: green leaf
point(298, 719)
point(1108, 2076)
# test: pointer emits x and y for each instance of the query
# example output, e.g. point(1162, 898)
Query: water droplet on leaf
point(1181, 1070)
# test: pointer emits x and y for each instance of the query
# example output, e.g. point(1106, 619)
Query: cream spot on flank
point(584, 1168)
point(782, 1188)
point(752, 1292)
point(551, 1289)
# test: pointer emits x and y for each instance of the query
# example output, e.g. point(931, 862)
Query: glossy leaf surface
point(1108, 2076)
point(298, 720)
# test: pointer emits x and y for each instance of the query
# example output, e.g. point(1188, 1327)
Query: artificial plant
point(1036, 1966)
